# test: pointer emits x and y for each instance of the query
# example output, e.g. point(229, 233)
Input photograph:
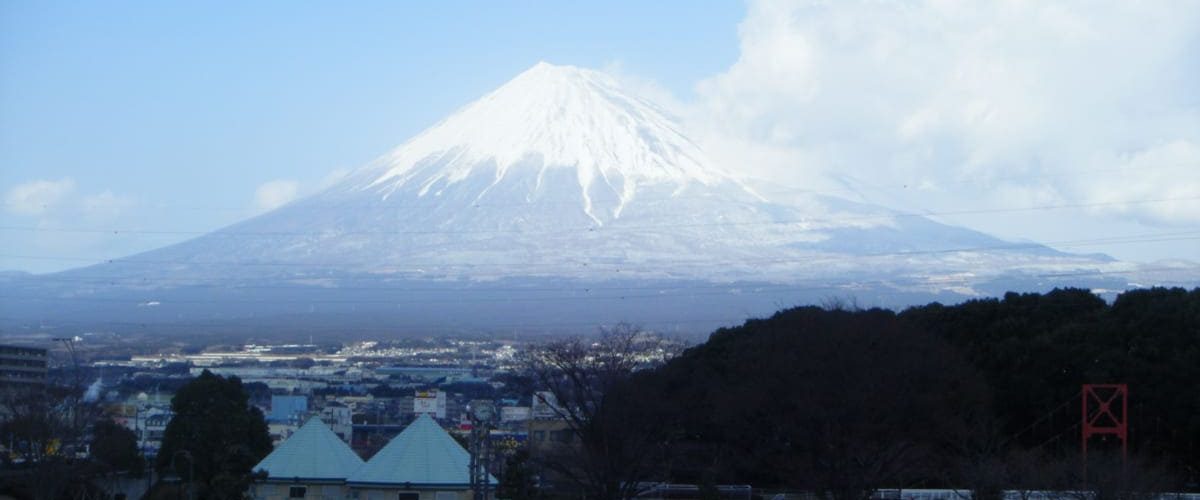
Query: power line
point(1047, 415)
point(594, 228)
point(775, 191)
point(812, 256)
point(582, 294)
point(224, 327)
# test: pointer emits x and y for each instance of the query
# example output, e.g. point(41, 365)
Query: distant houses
point(421, 463)
point(287, 408)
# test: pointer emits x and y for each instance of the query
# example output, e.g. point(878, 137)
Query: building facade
point(22, 366)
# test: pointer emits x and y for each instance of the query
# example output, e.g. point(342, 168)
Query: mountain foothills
point(559, 189)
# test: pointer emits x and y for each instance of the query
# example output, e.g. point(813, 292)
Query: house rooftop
point(422, 455)
point(312, 452)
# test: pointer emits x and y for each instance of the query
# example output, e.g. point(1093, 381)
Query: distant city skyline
point(1072, 124)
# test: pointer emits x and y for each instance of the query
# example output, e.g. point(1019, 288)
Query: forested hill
point(985, 392)
point(1035, 351)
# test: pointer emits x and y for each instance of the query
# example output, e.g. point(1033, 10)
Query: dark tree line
point(1036, 350)
point(842, 402)
point(836, 402)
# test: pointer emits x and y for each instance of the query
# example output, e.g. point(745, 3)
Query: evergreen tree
point(115, 447)
point(222, 436)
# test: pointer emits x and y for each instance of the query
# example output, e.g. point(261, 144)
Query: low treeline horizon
point(984, 395)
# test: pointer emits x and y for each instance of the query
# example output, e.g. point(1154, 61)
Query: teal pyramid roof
point(313, 452)
point(423, 454)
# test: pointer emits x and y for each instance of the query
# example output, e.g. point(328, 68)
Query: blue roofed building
point(313, 463)
point(421, 463)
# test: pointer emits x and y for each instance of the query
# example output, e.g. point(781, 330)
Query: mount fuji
point(558, 201)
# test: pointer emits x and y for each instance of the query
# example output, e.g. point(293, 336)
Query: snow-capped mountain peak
point(550, 118)
point(562, 173)
point(557, 197)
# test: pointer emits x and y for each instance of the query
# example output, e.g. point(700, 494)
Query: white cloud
point(1168, 171)
point(276, 193)
point(998, 102)
point(105, 205)
point(52, 201)
point(55, 210)
point(645, 88)
point(38, 197)
point(333, 177)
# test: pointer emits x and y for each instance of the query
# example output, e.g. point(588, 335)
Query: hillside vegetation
point(984, 394)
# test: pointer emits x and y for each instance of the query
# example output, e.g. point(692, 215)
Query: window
point(297, 492)
point(409, 495)
point(447, 495)
point(539, 435)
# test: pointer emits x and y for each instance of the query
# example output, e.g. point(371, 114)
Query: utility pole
point(482, 415)
point(76, 390)
point(69, 343)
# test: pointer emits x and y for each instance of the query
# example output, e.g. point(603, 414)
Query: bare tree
point(1110, 477)
point(1023, 474)
point(37, 424)
point(600, 446)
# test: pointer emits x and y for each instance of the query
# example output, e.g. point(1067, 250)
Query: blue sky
point(185, 115)
point(182, 109)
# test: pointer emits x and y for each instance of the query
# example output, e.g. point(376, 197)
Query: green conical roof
point(422, 455)
point(313, 452)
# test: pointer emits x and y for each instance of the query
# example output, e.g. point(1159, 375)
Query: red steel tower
point(1105, 411)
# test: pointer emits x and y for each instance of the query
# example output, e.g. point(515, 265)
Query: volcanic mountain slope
point(562, 173)
point(558, 189)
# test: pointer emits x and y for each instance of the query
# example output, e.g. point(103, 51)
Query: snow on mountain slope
point(561, 173)
point(550, 119)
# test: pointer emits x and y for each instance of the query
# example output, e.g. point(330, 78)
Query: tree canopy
point(983, 394)
point(1037, 350)
point(835, 402)
point(115, 447)
point(216, 429)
